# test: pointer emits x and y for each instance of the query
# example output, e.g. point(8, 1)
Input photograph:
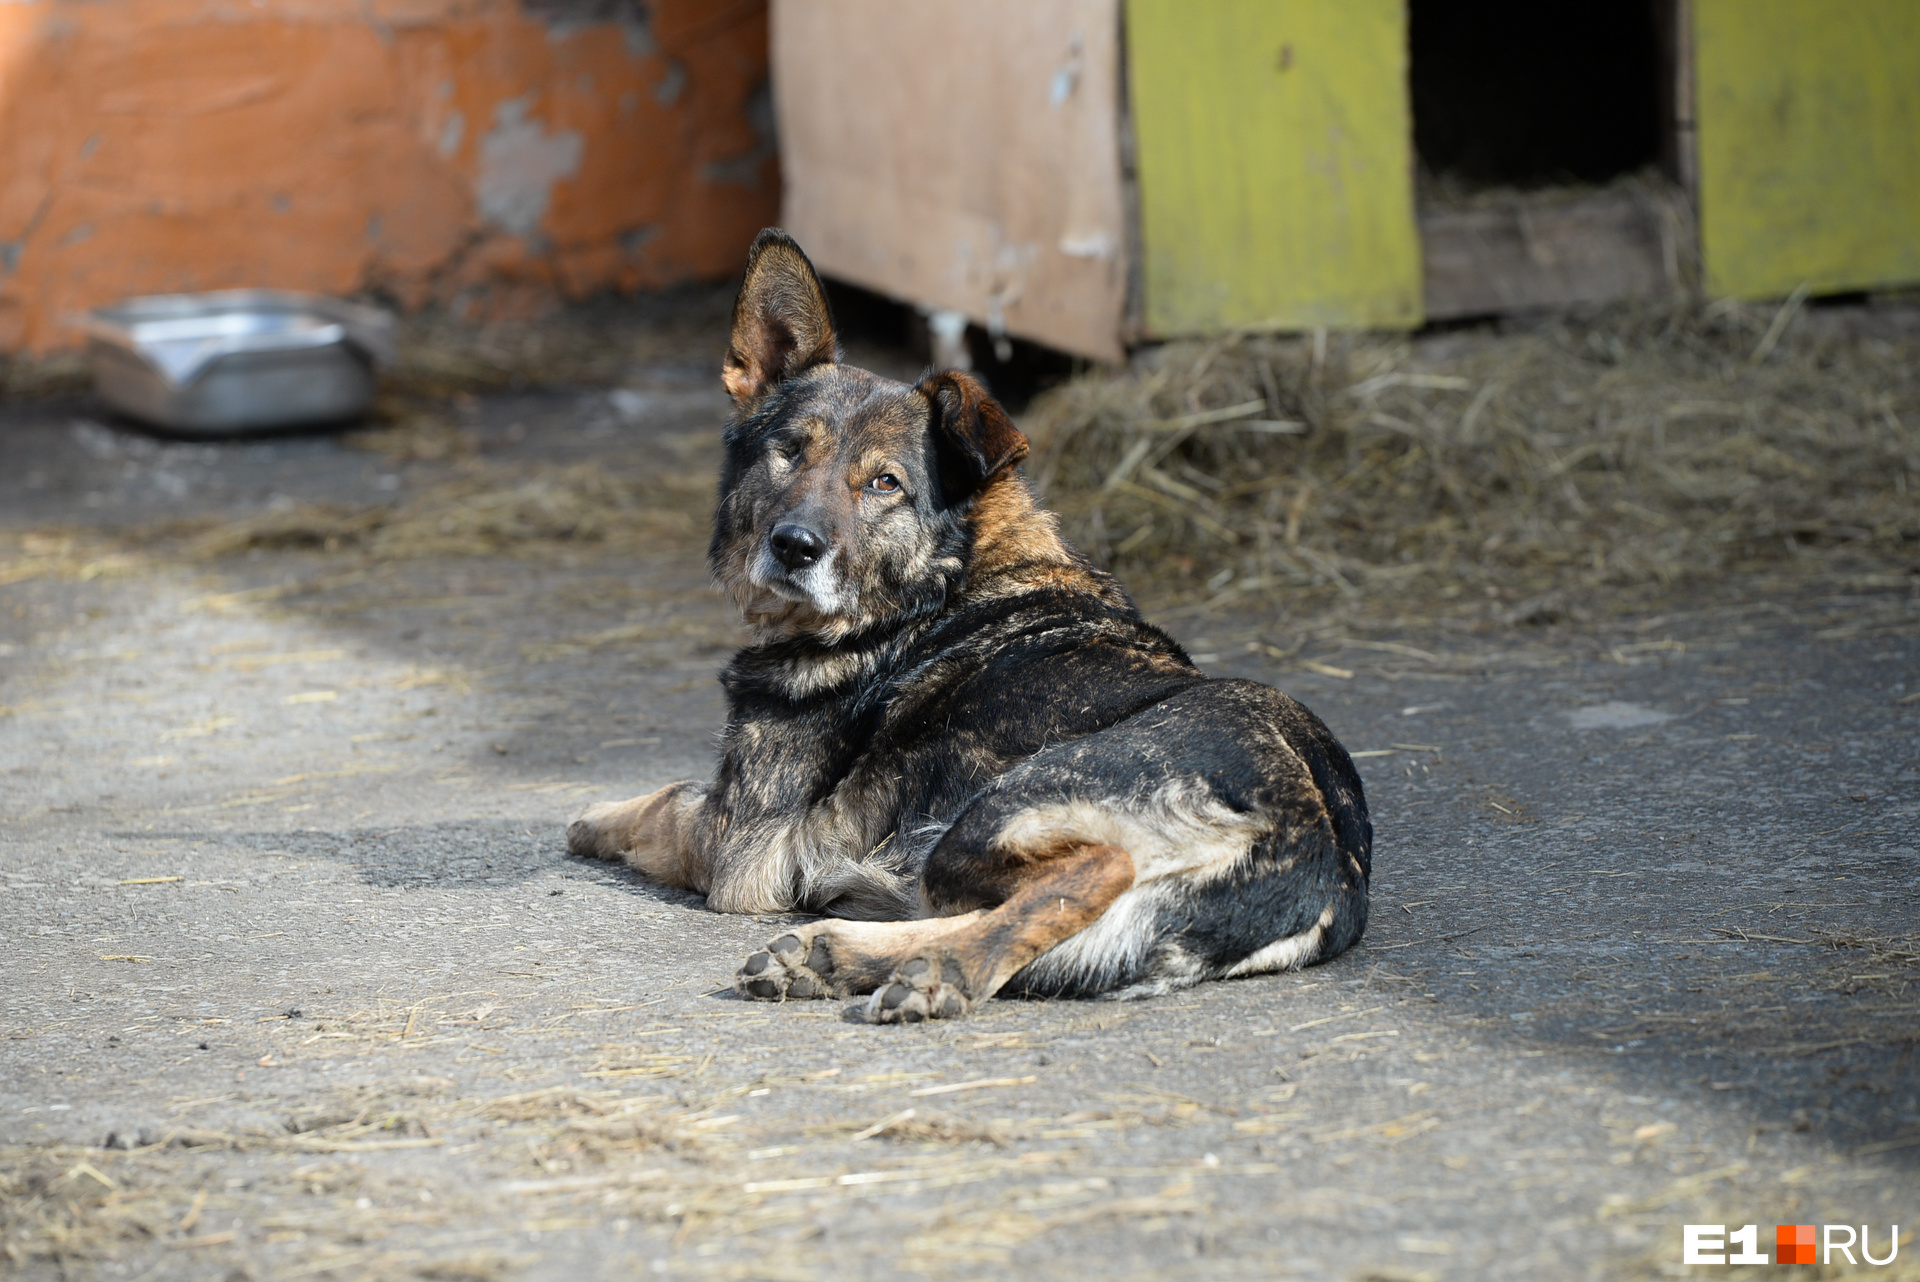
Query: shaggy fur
point(955, 736)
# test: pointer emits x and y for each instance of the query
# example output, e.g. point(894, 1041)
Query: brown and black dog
point(955, 730)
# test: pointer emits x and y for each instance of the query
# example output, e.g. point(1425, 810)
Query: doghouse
point(1092, 173)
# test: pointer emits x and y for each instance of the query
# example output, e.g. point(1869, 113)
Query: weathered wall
point(489, 154)
point(962, 154)
point(1808, 118)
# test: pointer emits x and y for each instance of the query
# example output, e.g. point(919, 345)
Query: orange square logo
point(1793, 1244)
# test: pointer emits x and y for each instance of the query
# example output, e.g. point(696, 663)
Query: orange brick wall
point(485, 154)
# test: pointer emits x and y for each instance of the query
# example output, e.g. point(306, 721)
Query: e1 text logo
point(1792, 1244)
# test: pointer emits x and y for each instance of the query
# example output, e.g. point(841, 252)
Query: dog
point(955, 737)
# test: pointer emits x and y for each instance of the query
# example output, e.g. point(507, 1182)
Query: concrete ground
point(301, 982)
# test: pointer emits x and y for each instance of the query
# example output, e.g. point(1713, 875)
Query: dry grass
point(426, 1176)
point(1522, 476)
point(309, 1179)
point(1647, 444)
point(913, 1124)
point(488, 511)
point(353, 1182)
point(1447, 190)
point(593, 345)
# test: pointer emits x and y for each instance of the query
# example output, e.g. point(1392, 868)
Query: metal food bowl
point(238, 360)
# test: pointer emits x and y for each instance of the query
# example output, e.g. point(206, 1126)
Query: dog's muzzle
point(796, 547)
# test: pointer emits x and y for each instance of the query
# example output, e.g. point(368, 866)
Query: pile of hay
point(490, 510)
point(1643, 444)
point(1535, 464)
point(593, 344)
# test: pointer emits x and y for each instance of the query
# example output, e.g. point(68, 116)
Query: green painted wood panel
point(1275, 160)
point(1808, 118)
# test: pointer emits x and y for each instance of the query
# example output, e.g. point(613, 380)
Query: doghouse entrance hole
point(1516, 93)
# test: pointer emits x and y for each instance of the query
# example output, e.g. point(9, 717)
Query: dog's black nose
point(796, 546)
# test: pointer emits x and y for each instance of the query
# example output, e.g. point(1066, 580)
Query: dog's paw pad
point(921, 989)
point(777, 971)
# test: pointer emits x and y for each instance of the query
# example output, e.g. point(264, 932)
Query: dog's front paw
point(924, 988)
point(791, 966)
point(593, 835)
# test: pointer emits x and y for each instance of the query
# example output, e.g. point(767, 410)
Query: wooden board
point(1595, 249)
point(1808, 133)
point(1274, 151)
point(961, 154)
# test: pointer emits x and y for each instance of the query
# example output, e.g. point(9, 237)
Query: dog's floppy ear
point(781, 322)
point(975, 439)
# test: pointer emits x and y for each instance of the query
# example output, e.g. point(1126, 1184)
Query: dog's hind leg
point(938, 967)
point(837, 958)
point(1054, 900)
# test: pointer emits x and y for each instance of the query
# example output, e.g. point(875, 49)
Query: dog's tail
point(876, 888)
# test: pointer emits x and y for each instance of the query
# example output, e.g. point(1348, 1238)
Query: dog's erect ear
point(975, 438)
point(781, 322)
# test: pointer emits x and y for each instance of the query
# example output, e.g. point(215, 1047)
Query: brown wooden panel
point(961, 154)
point(1590, 250)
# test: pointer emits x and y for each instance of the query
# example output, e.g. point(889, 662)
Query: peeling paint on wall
point(494, 155)
point(519, 164)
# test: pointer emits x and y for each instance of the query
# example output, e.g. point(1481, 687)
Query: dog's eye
point(885, 483)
